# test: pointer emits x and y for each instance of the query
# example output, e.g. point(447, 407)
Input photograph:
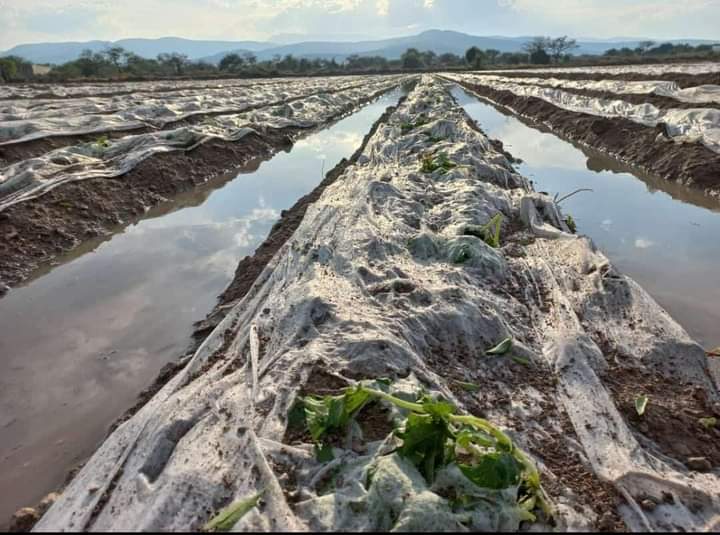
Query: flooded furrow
point(661, 234)
point(80, 341)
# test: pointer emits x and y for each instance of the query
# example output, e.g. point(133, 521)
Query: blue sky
point(25, 21)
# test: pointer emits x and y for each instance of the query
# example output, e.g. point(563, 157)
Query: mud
point(683, 80)
point(646, 148)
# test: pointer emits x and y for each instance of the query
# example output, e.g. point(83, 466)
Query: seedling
point(641, 404)
point(430, 164)
point(714, 352)
point(489, 232)
point(226, 519)
point(433, 436)
point(408, 127)
point(570, 222)
point(708, 422)
point(102, 142)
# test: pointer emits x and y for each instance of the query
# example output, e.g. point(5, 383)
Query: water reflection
point(78, 343)
point(661, 234)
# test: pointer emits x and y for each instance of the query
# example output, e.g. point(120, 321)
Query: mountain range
point(439, 41)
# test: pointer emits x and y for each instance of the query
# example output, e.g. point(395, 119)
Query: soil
point(646, 148)
point(683, 80)
point(672, 416)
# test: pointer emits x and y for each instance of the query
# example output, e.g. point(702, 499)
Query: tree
point(474, 56)
point(411, 59)
point(249, 58)
point(8, 69)
point(492, 55)
point(537, 50)
point(231, 62)
point(449, 58)
point(114, 54)
point(175, 62)
point(556, 48)
point(644, 46)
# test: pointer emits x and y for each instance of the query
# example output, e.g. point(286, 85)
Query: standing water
point(80, 342)
point(666, 240)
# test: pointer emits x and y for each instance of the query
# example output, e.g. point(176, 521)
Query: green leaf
point(494, 471)
point(501, 348)
point(641, 404)
point(708, 422)
point(226, 519)
point(332, 413)
point(324, 453)
point(521, 360)
point(424, 440)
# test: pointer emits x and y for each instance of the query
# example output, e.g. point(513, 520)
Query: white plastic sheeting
point(33, 91)
point(366, 287)
point(33, 177)
point(698, 125)
point(654, 69)
point(700, 94)
point(155, 113)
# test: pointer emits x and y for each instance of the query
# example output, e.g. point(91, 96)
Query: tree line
point(118, 63)
point(650, 49)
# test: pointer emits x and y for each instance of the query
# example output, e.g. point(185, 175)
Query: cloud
point(44, 20)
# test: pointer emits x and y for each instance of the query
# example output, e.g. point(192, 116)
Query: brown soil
point(500, 380)
point(683, 80)
point(648, 149)
point(672, 416)
point(34, 232)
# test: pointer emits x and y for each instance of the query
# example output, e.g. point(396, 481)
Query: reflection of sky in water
point(669, 246)
point(79, 343)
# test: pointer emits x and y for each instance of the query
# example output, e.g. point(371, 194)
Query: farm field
point(436, 249)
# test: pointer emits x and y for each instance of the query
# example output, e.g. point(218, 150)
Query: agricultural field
point(418, 336)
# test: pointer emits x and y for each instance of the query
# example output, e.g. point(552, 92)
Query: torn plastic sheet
point(685, 125)
point(700, 94)
point(31, 178)
point(368, 287)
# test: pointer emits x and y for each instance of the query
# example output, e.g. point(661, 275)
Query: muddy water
point(662, 235)
point(80, 341)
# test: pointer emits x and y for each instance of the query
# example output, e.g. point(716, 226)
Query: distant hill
point(147, 48)
point(439, 41)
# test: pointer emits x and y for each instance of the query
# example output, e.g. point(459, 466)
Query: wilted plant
point(434, 436)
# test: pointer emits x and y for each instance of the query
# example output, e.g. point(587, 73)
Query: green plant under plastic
point(489, 232)
point(430, 163)
point(433, 436)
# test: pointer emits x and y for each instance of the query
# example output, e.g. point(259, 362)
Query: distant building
point(40, 69)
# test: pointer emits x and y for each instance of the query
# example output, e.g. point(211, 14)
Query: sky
point(26, 21)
